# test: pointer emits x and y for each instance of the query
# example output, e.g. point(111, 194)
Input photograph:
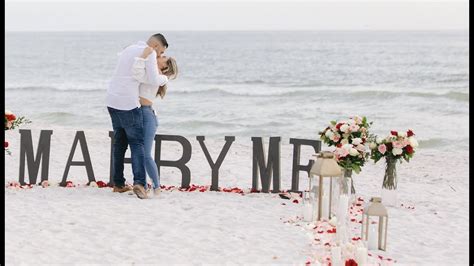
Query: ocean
point(245, 84)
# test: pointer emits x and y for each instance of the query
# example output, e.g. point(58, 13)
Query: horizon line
point(236, 30)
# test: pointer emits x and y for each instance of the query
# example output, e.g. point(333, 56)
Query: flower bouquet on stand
point(12, 122)
point(350, 138)
point(395, 147)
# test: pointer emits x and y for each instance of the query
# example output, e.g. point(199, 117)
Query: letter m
point(272, 167)
point(42, 155)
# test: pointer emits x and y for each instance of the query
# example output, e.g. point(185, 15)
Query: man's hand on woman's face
point(147, 51)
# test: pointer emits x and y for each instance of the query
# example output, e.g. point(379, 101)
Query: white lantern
point(325, 166)
point(375, 209)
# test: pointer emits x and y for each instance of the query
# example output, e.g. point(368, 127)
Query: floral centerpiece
point(12, 122)
point(350, 139)
point(397, 146)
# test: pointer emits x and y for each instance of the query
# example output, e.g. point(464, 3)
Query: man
point(127, 118)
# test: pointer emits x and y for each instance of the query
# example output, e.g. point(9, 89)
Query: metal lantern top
point(325, 165)
point(376, 208)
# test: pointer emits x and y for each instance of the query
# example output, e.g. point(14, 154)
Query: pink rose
point(398, 144)
point(354, 128)
point(382, 148)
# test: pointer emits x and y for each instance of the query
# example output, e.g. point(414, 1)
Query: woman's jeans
point(128, 130)
point(150, 124)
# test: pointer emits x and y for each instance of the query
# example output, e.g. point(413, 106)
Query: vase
point(390, 180)
point(346, 184)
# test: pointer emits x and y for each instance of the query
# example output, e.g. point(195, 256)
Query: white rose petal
point(372, 145)
point(379, 140)
point(357, 141)
point(413, 142)
point(344, 128)
point(329, 134)
point(353, 152)
point(402, 134)
point(397, 151)
point(8, 112)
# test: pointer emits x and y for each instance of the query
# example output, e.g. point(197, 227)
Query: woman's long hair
point(171, 71)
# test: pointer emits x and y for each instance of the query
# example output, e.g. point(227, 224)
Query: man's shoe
point(139, 190)
point(122, 189)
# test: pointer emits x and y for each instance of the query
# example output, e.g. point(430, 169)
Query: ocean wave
point(453, 95)
point(225, 125)
point(53, 89)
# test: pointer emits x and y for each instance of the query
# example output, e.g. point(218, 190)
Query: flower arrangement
point(12, 122)
point(349, 138)
point(397, 146)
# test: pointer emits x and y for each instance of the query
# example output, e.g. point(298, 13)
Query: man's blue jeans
point(128, 130)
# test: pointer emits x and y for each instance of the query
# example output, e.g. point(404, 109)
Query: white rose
point(397, 151)
point(360, 147)
point(347, 147)
point(379, 140)
point(372, 145)
point(344, 128)
point(413, 142)
point(8, 112)
point(357, 141)
point(402, 134)
point(353, 152)
point(93, 184)
point(344, 141)
point(329, 134)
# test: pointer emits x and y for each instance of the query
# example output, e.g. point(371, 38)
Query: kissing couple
point(141, 76)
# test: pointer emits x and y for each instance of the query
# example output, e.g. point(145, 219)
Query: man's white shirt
point(123, 93)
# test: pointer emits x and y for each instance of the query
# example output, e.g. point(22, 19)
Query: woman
point(148, 93)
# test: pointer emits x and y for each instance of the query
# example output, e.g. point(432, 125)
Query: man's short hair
point(161, 38)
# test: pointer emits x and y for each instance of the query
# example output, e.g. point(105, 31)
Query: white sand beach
point(86, 225)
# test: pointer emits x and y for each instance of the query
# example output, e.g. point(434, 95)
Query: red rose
point(393, 132)
point(410, 133)
point(11, 117)
point(409, 149)
point(6, 144)
point(339, 145)
point(351, 262)
point(101, 184)
point(338, 126)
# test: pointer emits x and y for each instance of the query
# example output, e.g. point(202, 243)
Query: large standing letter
point(295, 178)
point(215, 166)
point(273, 164)
point(181, 163)
point(80, 137)
point(111, 171)
point(26, 152)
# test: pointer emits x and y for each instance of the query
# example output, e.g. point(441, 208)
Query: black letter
point(80, 137)
point(26, 149)
point(295, 178)
point(181, 163)
point(215, 166)
point(272, 166)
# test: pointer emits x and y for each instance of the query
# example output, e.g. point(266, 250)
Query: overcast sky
point(106, 15)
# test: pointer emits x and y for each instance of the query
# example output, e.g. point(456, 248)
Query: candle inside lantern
point(308, 212)
point(325, 207)
point(336, 256)
point(372, 241)
point(342, 208)
point(361, 256)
